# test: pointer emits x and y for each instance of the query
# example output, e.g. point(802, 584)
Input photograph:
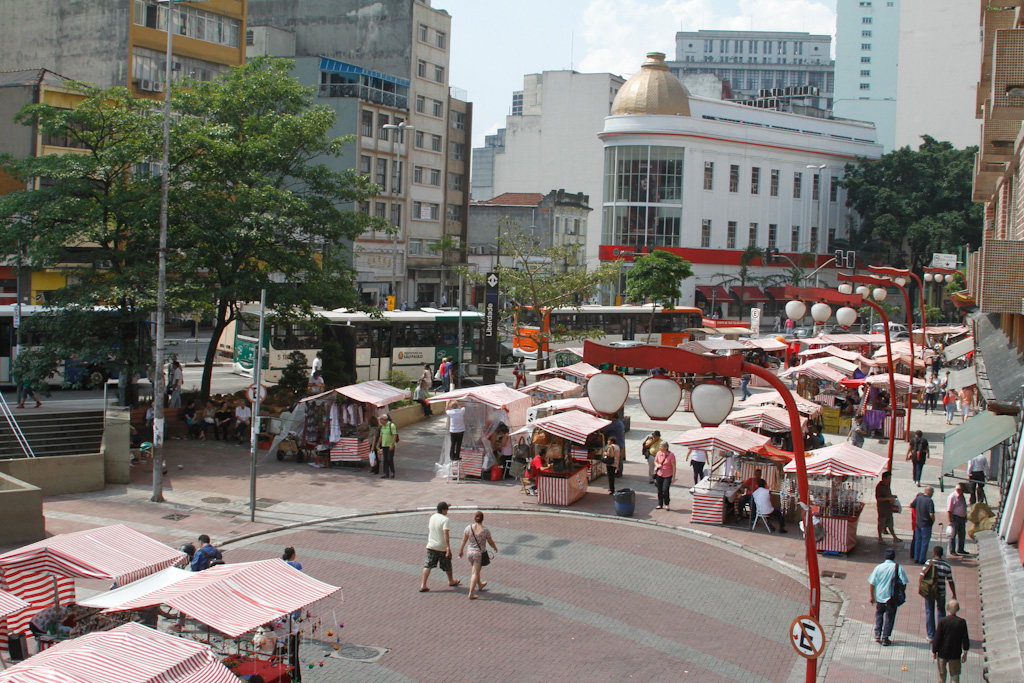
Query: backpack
point(928, 585)
point(204, 560)
point(899, 589)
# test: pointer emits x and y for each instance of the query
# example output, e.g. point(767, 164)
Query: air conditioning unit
point(158, 86)
point(175, 66)
point(145, 84)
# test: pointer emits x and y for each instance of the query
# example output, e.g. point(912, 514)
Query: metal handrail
point(15, 428)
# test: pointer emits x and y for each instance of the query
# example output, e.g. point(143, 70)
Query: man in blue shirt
point(881, 581)
point(206, 555)
point(924, 510)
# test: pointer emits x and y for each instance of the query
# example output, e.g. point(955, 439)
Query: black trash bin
point(625, 502)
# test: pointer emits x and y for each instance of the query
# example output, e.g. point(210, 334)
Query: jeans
point(956, 543)
point(663, 485)
point(220, 429)
point(610, 471)
point(744, 390)
point(743, 503)
point(456, 450)
point(922, 537)
point(885, 617)
point(388, 460)
point(929, 614)
point(698, 471)
point(918, 469)
point(446, 383)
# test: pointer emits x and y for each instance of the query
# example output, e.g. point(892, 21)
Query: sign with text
point(491, 318)
point(944, 261)
point(755, 320)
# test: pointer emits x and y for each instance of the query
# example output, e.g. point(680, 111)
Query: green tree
point(913, 203)
point(293, 376)
point(95, 218)
point(254, 203)
point(656, 276)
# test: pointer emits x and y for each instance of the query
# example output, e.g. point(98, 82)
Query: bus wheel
point(509, 359)
point(280, 454)
point(96, 379)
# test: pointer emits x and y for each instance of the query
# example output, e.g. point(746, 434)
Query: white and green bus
point(371, 345)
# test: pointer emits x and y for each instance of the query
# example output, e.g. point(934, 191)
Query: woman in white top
point(456, 428)
point(698, 458)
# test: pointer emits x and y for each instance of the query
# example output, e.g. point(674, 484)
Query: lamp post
point(612, 393)
point(899, 281)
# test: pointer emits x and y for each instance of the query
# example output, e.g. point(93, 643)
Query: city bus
point(369, 345)
point(619, 323)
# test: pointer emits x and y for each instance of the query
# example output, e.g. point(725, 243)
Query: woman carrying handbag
point(477, 536)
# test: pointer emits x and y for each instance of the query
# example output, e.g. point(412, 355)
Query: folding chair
point(758, 516)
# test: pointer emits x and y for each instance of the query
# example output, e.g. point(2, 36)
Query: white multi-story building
point(751, 61)
point(705, 178)
point(867, 64)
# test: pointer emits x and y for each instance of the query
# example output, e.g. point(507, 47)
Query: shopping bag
point(373, 459)
point(496, 472)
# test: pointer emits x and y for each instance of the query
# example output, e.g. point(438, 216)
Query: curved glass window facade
point(643, 196)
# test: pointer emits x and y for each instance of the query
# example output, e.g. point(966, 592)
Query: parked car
point(894, 328)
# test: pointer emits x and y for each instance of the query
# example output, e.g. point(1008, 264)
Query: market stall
point(337, 422)
point(552, 389)
point(803, 406)
point(131, 653)
point(764, 419)
point(486, 407)
point(773, 352)
point(572, 461)
point(841, 477)
point(43, 573)
point(560, 406)
point(876, 404)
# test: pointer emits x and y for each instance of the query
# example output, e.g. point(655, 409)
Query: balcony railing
point(365, 93)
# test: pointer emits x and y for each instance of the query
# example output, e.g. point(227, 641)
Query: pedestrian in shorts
point(439, 546)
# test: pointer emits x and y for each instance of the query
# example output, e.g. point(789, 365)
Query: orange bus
point(619, 323)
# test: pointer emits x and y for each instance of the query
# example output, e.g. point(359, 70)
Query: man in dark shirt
point(924, 507)
point(917, 454)
point(951, 643)
point(884, 500)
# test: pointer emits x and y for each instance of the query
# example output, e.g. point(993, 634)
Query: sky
point(494, 44)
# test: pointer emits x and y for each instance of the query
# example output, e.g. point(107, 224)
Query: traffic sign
point(755, 320)
point(807, 637)
point(492, 280)
point(250, 393)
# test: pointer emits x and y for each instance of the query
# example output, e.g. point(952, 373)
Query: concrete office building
point(121, 42)
point(399, 50)
point(749, 61)
point(705, 178)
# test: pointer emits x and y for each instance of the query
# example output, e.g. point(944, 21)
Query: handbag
point(485, 557)
point(899, 589)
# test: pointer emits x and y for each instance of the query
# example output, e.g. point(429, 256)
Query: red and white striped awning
point(132, 653)
point(562, 404)
point(581, 370)
point(114, 553)
point(554, 385)
point(851, 356)
point(901, 381)
point(716, 346)
point(9, 604)
point(815, 369)
point(722, 438)
point(770, 419)
point(235, 598)
point(765, 344)
point(803, 406)
point(573, 425)
point(500, 396)
point(373, 392)
point(844, 339)
point(842, 460)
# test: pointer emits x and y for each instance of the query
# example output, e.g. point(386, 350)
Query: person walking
point(966, 402)
point(951, 643)
point(949, 405)
point(936, 573)
point(778, 323)
point(476, 536)
point(698, 458)
point(857, 431)
point(26, 389)
point(664, 473)
point(427, 378)
point(446, 375)
point(882, 584)
point(519, 372)
point(744, 387)
point(956, 508)
point(651, 445)
point(924, 509)
point(931, 394)
point(612, 458)
point(977, 473)
point(317, 365)
point(917, 454)
point(388, 439)
point(884, 500)
point(206, 556)
point(373, 438)
point(456, 429)
point(439, 546)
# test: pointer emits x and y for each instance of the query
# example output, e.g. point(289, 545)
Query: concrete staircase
point(53, 433)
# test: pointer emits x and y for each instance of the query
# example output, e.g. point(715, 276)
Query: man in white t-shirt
point(439, 546)
point(763, 501)
point(318, 363)
point(698, 458)
point(456, 428)
point(243, 421)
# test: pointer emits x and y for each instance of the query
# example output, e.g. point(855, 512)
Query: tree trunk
point(220, 325)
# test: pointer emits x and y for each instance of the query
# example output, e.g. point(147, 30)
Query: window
point(814, 240)
point(367, 127)
point(558, 224)
point(865, 86)
point(382, 132)
point(421, 104)
point(730, 236)
point(435, 143)
point(752, 235)
point(773, 233)
point(865, 60)
point(382, 174)
point(865, 20)
point(380, 210)
point(725, 47)
point(755, 180)
point(438, 109)
point(457, 150)
point(798, 180)
point(364, 207)
point(415, 247)
point(753, 47)
point(441, 40)
point(773, 190)
point(435, 178)
point(734, 178)
point(833, 189)
point(816, 187)
point(420, 138)
point(190, 22)
point(438, 73)
point(423, 33)
point(709, 175)
point(455, 212)
point(794, 240)
point(459, 120)
point(421, 69)
point(455, 181)
point(865, 73)
point(865, 46)
point(705, 234)
point(417, 175)
point(831, 239)
point(739, 47)
point(396, 177)
point(365, 165)
point(426, 211)
point(865, 34)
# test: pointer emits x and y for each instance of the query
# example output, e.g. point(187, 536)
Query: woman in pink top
point(664, 473)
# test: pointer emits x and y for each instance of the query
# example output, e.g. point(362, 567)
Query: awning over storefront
point(960, 348)
point(751, 295)
point(974, 437)
point(717, 293)
point(958, 379)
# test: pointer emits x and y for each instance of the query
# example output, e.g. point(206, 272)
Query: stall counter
point(840, 535)
point(709, 501)
point(350, 449)
point(562, 488)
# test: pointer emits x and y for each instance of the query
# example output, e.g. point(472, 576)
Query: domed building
point(705, 178)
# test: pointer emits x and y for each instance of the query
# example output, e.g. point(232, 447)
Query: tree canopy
point(656, 276)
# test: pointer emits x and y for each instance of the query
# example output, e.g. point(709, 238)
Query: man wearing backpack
point(206, 556)
point(932, 587)
point(888, 584)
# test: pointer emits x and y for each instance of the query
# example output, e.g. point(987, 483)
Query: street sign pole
point(254, 422)
point(492, 355)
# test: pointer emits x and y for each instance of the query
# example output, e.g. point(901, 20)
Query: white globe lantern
point(846, 288)
point(928, 277)
point(821, 313)
point(607, 391)
point(949, 278)
point(901, 281)
point(711, 403)
point(660, 396)
point(864, 291)
point(796, 310)
point(879, 294)
point(846, 316)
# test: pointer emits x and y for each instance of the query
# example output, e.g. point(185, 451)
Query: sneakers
point(886, 642)
point(878, 637)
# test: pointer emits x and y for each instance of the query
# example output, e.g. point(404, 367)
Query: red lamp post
point(675, 359)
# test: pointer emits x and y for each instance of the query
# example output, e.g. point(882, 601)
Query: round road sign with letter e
point(807, 637)
point(250, 393)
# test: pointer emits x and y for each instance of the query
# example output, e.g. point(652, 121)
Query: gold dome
point(652, 90)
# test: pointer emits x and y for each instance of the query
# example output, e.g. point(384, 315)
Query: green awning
point(977, 435)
